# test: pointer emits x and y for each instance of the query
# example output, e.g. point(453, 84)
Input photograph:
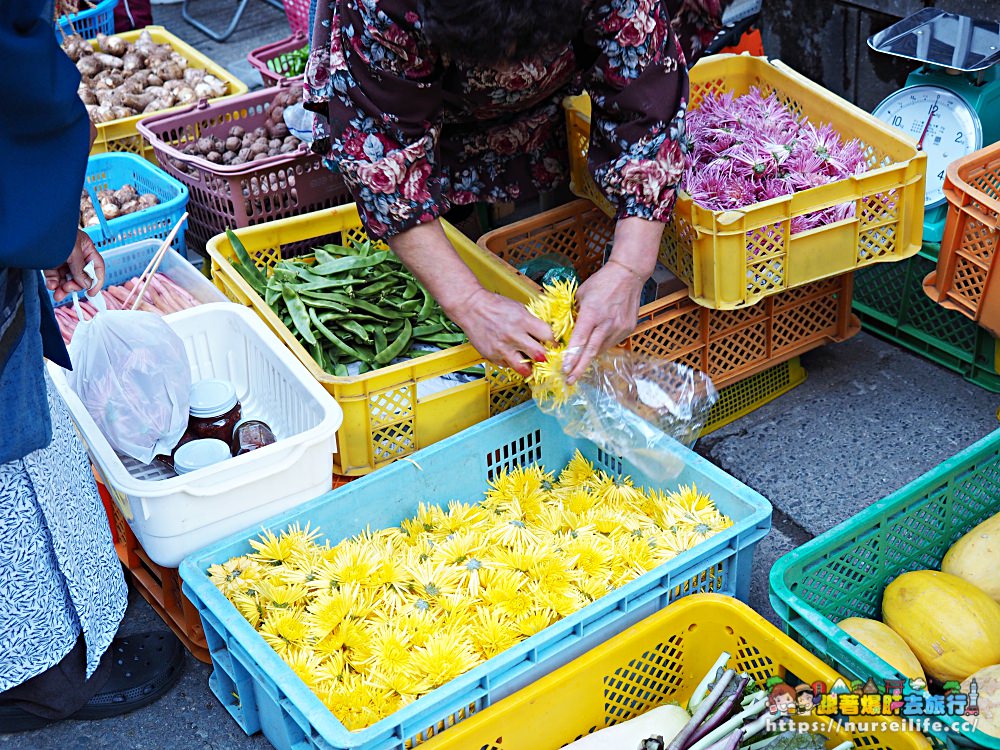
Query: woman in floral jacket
point(439, 103)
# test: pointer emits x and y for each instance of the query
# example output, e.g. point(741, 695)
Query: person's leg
point(132, 14)
point(61, 690)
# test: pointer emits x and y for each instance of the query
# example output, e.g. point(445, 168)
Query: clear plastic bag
point(131, 372)
point(638, 407)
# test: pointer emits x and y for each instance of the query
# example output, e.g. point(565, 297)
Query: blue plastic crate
point(112, 171)
point(127, 262)
point(90, 22)
point(263, 694)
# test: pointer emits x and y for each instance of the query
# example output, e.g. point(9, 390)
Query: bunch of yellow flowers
point(376, 621)
point(556, 305)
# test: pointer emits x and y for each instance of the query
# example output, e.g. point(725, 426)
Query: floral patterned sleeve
point(638, 87)
point(381, 83)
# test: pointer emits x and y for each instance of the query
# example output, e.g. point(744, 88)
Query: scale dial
point(942, 123)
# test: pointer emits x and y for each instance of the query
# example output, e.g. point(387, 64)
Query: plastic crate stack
point(753, 296)
point(941, 303)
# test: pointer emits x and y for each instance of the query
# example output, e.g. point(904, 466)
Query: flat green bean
point(354, 327)
point(246, 267)
point(349, 263)
point(397, 346)
point(300, 316)
point(380, 341)
point(330, 336)
point(427, 307)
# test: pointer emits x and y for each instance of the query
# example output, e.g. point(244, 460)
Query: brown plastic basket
point(729, 345)
point(272, 60)
point(223, 196)
point(966, 278)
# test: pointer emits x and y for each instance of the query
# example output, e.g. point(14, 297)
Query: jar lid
point(244, 420)
point(211, 398)
point(198, 454)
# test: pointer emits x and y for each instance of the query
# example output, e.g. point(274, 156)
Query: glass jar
point(251, 434)
point(215, 410)
point(198, 454)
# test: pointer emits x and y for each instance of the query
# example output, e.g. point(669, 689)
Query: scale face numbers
point(941, 121)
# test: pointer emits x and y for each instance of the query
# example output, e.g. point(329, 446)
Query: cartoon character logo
point(805, 698)
point(781, 699)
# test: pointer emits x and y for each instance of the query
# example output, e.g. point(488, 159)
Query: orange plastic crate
point(965, 280)
point(729, 345)
point(159, 586)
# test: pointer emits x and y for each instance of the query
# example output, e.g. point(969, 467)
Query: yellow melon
point(976, 557)
point(884, 641)
point(951, 626)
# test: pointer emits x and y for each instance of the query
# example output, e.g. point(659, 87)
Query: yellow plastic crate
point(741, 398)
point(731, 259)
point(659, 660)
point(384, 417)
point(121, 135)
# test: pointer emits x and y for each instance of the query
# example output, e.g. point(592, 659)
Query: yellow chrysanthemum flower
point(579, 472)
point(445, 656)
point(306, 664)
point(492, 632)
point(235, 575)
point(285, 630)
point(273, 549)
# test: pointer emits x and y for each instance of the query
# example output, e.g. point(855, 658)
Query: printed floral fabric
point(414, 133)
point(59, 574)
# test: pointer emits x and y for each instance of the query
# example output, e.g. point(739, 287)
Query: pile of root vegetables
point(114, 203)
point(120, 79)
point(162, 296)
point(240, 145)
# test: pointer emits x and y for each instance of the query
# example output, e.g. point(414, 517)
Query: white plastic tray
point(173, 517)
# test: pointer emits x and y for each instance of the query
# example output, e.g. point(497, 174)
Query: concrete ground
point(869, 418)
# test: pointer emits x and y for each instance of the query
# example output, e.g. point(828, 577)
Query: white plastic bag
point(132, 374)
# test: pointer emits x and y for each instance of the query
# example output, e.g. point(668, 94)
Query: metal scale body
point(950, 105)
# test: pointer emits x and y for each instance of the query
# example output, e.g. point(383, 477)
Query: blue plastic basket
point(112, 171)
point(263, 694)
point(90, 22)
point(129, 261)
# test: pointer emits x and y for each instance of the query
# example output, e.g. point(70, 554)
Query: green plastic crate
point(890, 300)
point(843, 572)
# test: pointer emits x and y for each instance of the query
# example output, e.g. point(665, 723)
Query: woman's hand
point(502, 330)
point(609, 300)
point(70, 276)
point(608, 309)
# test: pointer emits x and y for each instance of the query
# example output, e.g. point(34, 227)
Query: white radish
point(665, 721)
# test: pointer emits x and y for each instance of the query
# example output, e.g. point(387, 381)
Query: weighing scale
point(951, 104)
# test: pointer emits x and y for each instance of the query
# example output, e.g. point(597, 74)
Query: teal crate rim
point(450, 698)
point(173, 195)
point(97, 20)
point(783, 599)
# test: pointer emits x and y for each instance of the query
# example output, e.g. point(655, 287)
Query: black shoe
point(144, 666)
